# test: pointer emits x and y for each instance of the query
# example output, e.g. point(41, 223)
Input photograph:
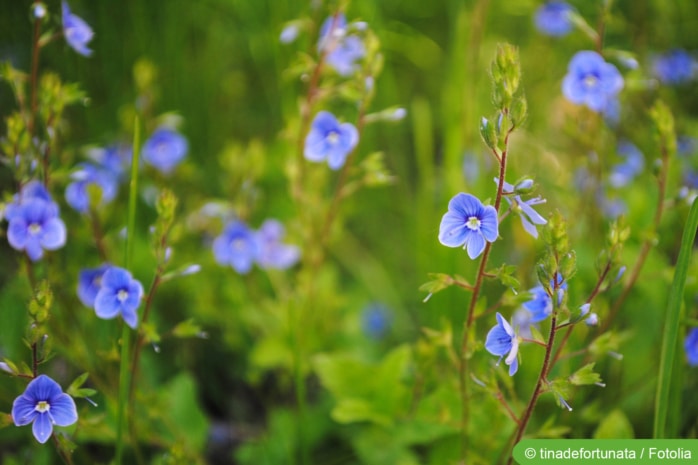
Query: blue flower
point(674, 67)
point(34, 224)
point(165, 149)
point(89, 284)
point(690, 345)
point(529, 217)
point(541, 305)
point(237, 246)
point(343, 50)
point(501, 340)
point(45, 404)
point(271, 252)
point(113, 159)
point(553, 18)
point(76, 194)
point(623, 173)
point(289, 33)
point(468, 223)
point(591, 81)
point(375, 320)
point(119, 294)
point(330, 140)
point(77, 32)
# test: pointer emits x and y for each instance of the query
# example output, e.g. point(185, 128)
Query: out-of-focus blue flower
point(289, 33)
point(591, 81)
point(330, 140)
point(611, 112)
point(529, 217)
point(634, 162)
point(541, 305)
point(690, 345)
point(237, 246)
point(272, 253)
point(119, 294)
point(113, 159)
point(553, 18)
point(89, 284)
point(468, 223)
point(76, 194)
point(39, 10)
point(375, 320)
point(521, 321)
point(343, 50)
point(674, 67)
point(165, 149)
point(611, 208)
point(77, 32)
point(34, 224)
point(501, 340)
point(686, 145)
point(45, 404)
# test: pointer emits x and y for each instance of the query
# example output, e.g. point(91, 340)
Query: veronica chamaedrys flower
point(541, 305)
point(165, 149)
point(529, 217)
point(236, 247)
point(343, 50)
point(690, 345)
point(77, 32)
point(375, 320)
point(119, 294)
point(45, 404)
point(591, 81)
point(501, 340)
point(674, 67)
point(634, 162)
point(34, 224)
point(77, 194)
point(89, 284)
point(272, 253)
point(329, 140)
point(468, 223)
point(553, 18)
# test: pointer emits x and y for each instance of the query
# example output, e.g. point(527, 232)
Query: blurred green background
point(220, 65)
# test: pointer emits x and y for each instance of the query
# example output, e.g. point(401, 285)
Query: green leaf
point(187, 329)
point(74, 387)
point(585, 375)
point(615, 426)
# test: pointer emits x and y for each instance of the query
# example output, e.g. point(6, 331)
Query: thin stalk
point(646, 246)
point(126, 331)
point(542, 377)
point(463, 368)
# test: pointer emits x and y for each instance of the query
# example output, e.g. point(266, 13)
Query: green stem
point(126, 331)
point(671, 327)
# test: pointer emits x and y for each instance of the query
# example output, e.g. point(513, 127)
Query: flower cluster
point(240, 247)
point(34, 222)
point(111, 291)
point(468, 223)
point(591, 81)
point(342, 49)
point(44, 404)
point(165, 149)
point(329, 140)
point(553, 18)
point(77, 32)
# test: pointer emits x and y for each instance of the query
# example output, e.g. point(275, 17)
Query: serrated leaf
point(74, 387)
point(585, 375)
point(441, 282)
point(187, 329)
point(150, 332)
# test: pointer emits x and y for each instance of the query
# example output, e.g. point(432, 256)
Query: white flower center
point(333, 137)
point(238, 245)
point(590, 80)
point(42, 406)
point(473, 223)
point(34, 229)
point(122, 295)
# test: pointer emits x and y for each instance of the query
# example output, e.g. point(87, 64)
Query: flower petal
point(63, 410)
point(475, 244)
point(53, 234)
point(107, 305)
point(489, 224)
point(23, 410)
point(42, 428)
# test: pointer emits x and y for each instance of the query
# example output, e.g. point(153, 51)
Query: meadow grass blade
point(671, 326)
